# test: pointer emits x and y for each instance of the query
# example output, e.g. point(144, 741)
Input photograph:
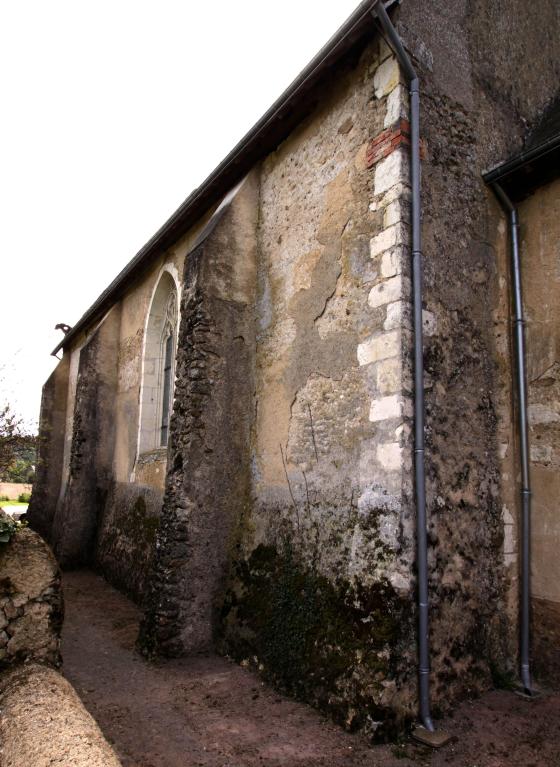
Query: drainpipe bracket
point(436, 739)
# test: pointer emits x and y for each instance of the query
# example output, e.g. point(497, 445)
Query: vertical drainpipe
point(380, 13)
point(519, 322)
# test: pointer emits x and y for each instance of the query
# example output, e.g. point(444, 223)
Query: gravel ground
point(209, 712)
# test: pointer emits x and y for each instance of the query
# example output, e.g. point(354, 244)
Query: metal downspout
point(519, 323)
point(419, 441)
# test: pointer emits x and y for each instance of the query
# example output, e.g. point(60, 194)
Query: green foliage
point(8, 527)
point(17, 448)
point(22, 470)
point(24, 497)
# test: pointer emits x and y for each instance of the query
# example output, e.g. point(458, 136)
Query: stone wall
point(287, 530)
point(480, 92)
point(90, 461)
point(43, 722)
point(50, 449)
point(126, 536)
point(31, 605)
point(12, 490)
point(321, 596)
point(207, 493)
point(539, 236)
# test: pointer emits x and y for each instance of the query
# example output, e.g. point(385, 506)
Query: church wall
point(130, 516)
point(290, 462)
point(320, 597)
point(539, 235)
point(46, 487)
point(480, 91)
point(91, 445)
point(286, 532)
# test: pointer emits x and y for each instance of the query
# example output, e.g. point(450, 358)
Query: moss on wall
point(331, 643)
point(127, 537)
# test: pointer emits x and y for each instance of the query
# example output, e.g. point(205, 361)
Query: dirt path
point(208, 712)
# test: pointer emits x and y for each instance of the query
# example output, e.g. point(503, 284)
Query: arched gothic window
point(159, 366)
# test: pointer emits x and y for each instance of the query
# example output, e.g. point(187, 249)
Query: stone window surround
point(151, 381)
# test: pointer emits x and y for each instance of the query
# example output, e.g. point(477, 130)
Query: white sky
point(112, 112)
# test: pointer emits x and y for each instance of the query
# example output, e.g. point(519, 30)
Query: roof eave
point(263, 137)
point(500, 172)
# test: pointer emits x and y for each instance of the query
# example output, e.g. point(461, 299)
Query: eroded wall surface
point(320, 598)
point(90, 456)
point(540, 256)
point(287, 530)
point(207, 493)
point(50, 450)
point(287, 523)
point(480, 92)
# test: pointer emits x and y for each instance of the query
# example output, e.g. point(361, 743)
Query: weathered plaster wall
point(286, 529)
point(320, 596)
point(91, 452)
point(539, 218)
point(50, 450)
point(480, 91)
point(130, 518)
point(207, 491)
point(540, 255)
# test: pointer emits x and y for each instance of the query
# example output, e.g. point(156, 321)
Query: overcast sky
point(112, 112)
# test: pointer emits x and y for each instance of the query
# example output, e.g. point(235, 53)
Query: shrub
point(24, 497)
point(8, 527)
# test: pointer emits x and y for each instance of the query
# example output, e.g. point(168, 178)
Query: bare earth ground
point(207, 711)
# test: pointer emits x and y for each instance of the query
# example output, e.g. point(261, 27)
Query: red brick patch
point(390, 139)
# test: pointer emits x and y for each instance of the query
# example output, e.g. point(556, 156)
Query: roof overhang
point(296, 103)
point(533, 167)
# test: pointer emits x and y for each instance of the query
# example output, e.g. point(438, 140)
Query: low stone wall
point(43, 722)
point(13, 490)
point(31, 607)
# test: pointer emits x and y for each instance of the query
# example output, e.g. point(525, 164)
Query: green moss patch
point(331, 644)
point(126, 546)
